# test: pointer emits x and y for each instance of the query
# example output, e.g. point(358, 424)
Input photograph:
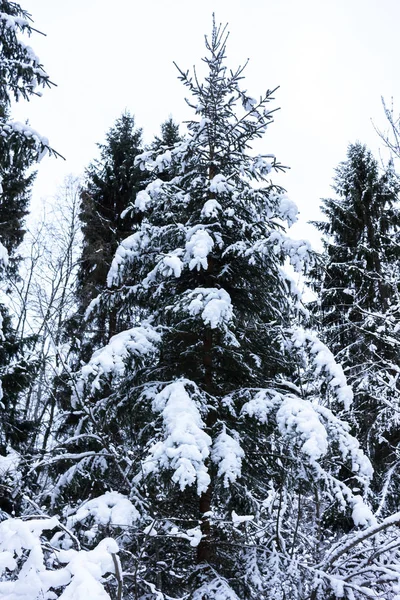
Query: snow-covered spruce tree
point(208, 436)
point(30, 567)
point(360, 302)
point(21, 76)
point(111, 184)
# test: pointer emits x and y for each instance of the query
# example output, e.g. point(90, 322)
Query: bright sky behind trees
point(333, 60)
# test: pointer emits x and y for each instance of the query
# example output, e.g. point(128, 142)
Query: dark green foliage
point(169, 138)
point(16, 177)
point(197, 410)
point(360, 295)
point(111, 185)
point(16, 372)
point(21, 76)
point(20, 70)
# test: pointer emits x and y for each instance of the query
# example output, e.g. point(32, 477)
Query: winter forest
point(194, 404)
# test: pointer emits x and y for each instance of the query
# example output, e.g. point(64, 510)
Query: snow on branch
point(324, 361)
point(298, 252)
point(218, 589)
point(316, 432)
point(198, 246)
point(185, 445)
point(348, 445)
point(365, 561)
point(38, 143)
point(213, 305)
point(3, 250)
point(262, 405)
point(14, 23)
point(128, 250)
point(30, 568)
point(110, 360)
point(296, 418)
point(112, 508)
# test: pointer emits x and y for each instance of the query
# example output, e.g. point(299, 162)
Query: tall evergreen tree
point(203, 426)
point(21, 76)
point(112, 183)
point(16, 176)
point(27, 569)
point(360, 298)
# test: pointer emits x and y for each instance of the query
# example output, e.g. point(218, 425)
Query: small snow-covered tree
point(360, 301)
point(210, 411)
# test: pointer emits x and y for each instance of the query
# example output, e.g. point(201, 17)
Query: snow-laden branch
point(29, 568)
point(185, 445)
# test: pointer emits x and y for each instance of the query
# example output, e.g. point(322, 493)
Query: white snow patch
point(324, 360)
point(173, 265)
point(219, 185)
point(238, 519)
point(261, 406)
point(3, 255)
point(297, 418)
point(112, 508)
point(9, 463)
point(214, 305)
point(227, 454)
point(287, 209)
point(186, 445)
point(362, 514)
point(138, 341)
point(142, 200)
point(211, 208)
point(198, 247)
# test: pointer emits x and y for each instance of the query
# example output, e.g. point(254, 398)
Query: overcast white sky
point(333, 60)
